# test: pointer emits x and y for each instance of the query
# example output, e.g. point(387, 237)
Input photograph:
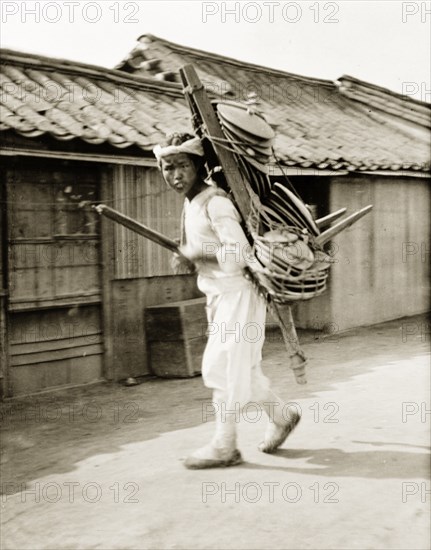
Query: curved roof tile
point(350, 125)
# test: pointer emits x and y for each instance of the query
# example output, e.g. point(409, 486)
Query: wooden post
point(206, 122)
point(107, 248)
point(5, 384)
point(4, 364)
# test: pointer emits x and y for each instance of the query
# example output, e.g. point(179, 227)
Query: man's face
point(179, 172)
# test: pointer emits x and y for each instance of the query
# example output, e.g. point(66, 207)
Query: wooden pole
point(327, 220)
point(137, 227)
point(340, 226)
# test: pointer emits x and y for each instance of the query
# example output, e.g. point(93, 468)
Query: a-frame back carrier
point(207, 127)
point(206, 123)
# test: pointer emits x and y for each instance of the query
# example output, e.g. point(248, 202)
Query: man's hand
point(181, 265)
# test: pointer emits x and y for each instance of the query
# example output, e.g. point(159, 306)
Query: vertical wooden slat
point(140, 194)
point(373, 282)
point(418, 200)
point(351, 276)
point(5, 389)
point(108, 255)
point(150, 265)
point(117, 186)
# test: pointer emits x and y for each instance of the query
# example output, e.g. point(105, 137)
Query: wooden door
point(53, 277)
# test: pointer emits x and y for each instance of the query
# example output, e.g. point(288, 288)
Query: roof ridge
point(245, 64)
point(312, 130)
point(77, 67)
point(382, 89)
point(393, 110)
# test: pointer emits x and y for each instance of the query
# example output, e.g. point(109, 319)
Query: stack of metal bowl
point(289, 264)
point(251, 138)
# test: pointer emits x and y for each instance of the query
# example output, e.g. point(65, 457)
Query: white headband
point(191, 147)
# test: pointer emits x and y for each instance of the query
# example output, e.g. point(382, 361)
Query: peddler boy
point(213, 242)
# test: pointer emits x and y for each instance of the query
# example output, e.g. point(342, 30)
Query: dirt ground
point(101, 466)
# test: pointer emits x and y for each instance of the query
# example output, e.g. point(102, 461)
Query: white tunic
point(236, 313)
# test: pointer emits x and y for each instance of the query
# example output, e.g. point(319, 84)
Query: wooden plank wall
point(55, 347)
point(142, 194)
point(142, 275)
point(4, 360)
point(53, 245)
point(383, 268)
point(54, 283)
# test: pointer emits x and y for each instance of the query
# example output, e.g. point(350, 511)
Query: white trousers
point(231, 363)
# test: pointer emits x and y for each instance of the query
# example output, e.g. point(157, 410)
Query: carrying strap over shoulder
point(216, 192)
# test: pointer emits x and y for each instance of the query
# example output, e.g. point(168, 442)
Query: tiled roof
point(386, 101)
point(348, 124)
point(75, 101)
point(317, 124)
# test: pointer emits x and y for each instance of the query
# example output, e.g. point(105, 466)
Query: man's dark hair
point(177, 139)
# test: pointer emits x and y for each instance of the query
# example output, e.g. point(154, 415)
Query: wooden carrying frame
point(205, 123)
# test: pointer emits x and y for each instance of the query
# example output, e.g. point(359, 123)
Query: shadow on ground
point(50, 433)
point(337, 463)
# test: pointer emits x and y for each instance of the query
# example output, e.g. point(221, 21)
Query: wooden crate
point(176, 338)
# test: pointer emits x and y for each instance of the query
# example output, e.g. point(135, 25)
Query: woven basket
point(290, 267)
